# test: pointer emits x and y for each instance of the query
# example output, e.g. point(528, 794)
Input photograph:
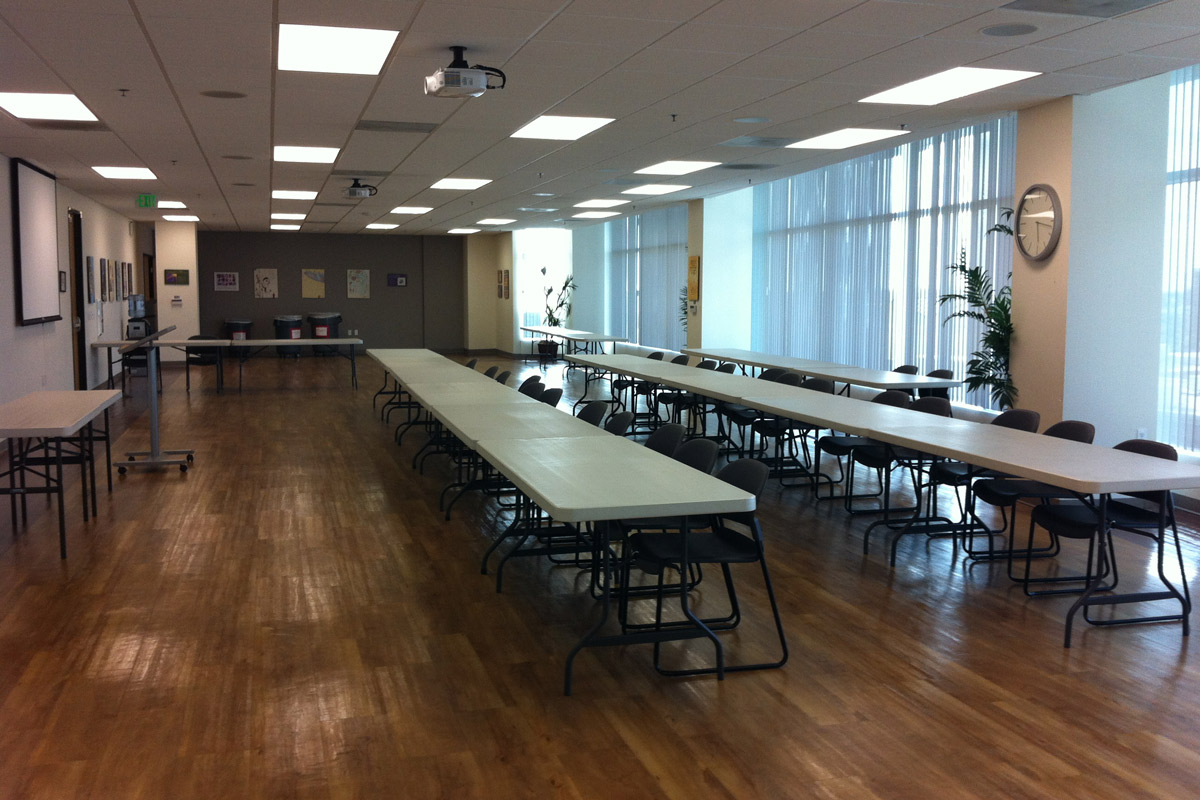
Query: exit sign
point(147, 201)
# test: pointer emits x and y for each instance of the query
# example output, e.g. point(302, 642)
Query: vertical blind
point(850, 260)
point(647, 268)
point(1179, 365)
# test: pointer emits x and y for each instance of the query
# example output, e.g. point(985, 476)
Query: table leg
point(62, 514)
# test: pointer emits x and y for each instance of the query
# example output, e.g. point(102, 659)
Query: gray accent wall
point(427, 312)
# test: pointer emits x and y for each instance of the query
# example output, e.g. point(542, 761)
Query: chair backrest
point(1021, 419)
point(707, 364)
point(1074, 429)
point(657, 355)
point(204, 355)
point(942, 392)
point(551, 396)
point(818, 385)
point(938, 406)
point(790, 379)
point(906, 369)
point(728, 368)
point(1149, 447)
point(893, 397)
point(749, 475)
point(491, 371)
point(666, 438)
point(681, 359)
point(531, 386)
point(503, 376)
point(471, 364)
point(698, 454)
point(771, 374)
point(619, 423)
point(593, 412)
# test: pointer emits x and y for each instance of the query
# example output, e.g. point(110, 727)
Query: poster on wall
point(112, 280)
point(128, 279)
point(312, 284)
point(500, 284)
point(397, 279)
point(225, 281)
point(175, 277)
point(266, 284)
point(103, 280)
point(91, 279)
point(358, 284)
point(120, 282)
point(506, 276)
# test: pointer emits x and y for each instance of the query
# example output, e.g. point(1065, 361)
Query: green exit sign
point(147, 201)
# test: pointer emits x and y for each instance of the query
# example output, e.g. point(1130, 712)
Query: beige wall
point(696, 248)
point(490, 319)
point(1040, 288)
point(175, 245)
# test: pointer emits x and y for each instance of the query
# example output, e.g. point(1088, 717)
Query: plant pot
point(548, 349)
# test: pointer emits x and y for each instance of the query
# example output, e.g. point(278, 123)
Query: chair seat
point(1006, 491)
point(738, 414)
point(1072, 520)
point(842, 445)
point(719, 546)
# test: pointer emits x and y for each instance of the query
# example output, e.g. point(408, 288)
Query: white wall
point(726, 267)
point(175, 248)
point(483, 259)
point(1114, 297)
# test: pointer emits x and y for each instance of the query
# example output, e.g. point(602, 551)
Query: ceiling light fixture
point(170, 204)
point(291, 194)
point(181, 218)
point(288, 216)
point(596, 214)
point(461, 184)
point(846, 137)
point(656, 188)
point(126, 173)
point(43, 105)
point(677, 167)
point(549, 126)
point(306, 155)
point(463, 230)
point(285, 227)
point(949, 85)
point(344, 51)
point(382, 226)
point(602, 203)
point(411, 210)
point(495, 221)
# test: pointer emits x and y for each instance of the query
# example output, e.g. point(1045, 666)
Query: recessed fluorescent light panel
point(411, 210)
point(126, 173)
point(306, 155)
point(346, 51)
point(171, 204)
point(678, 167)
point(463, 230)
point(495, 221)
point(601, 203)
point(656, 188)
point(382, 226)
point(566, 129)
point(181, 218)
point(949, 85)
point(290, 194)
point(38, 105)
point(461, 184)
point(596, 214)
point(285, 227)
point(288, 216)
point(846, 137)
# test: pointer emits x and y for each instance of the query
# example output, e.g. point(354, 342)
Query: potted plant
point(988, 367)
point(558, 309)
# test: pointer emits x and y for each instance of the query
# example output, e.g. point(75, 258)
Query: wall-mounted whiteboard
point(35, 243)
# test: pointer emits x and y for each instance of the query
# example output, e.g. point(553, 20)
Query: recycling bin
point(288, 326)
point(324, 326)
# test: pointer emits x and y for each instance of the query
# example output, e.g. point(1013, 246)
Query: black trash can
point(289, 326)
point(237, 329)
point(324, 326)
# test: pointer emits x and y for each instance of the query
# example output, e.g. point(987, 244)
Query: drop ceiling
point(676, 75)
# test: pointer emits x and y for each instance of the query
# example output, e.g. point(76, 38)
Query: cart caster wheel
point(183, 467)
point(130, 458)
point(121, 470)
point(190, 458)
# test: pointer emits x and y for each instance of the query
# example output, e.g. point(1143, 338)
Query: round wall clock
point(1039, 222)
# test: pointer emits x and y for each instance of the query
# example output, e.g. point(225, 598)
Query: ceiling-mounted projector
point(461, 80)
point(360, 190)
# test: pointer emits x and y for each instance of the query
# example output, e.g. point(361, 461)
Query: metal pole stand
point(155, 457)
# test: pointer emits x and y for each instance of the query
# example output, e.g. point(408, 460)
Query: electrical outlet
point(1141, 433)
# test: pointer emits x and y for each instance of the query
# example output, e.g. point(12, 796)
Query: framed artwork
point(175, 277)
point(103, 280)
point(225, 281)
point(112, 280)
point(266, 284)
point(62, 281)
point(128, 278)
point(397, 279)
point(119, 283)
point(358, 284)
point(91, 279)
point(693, 278)
point(312, 284)
point(506, 274)
point(500, 284)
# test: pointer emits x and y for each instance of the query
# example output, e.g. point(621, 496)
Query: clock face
point(1039, 222)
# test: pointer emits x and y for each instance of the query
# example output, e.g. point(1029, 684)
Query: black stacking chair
point(202, 357)
point(666, 439)
point(842, 446)
point(618, 424)
point(699, 454)
point(636, 388)
point(551, 396)
point(503, 377)
point(742, 417)
point(937, 373)
point(531, 386)
point(792, 455)
point(679, 403)
point(593, 412)
point(490, 372)
point(729, 539)
point(1149, 514)
point(471, 364)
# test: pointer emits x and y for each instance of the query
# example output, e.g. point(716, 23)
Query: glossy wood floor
point(293, 619)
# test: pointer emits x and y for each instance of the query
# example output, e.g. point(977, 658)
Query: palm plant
point(988, 367)
point(558, 306)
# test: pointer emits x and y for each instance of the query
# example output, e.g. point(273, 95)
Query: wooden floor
point(293, 619)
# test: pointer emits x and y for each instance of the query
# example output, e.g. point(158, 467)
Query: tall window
point(647, 268)
point(541, 258)
point(850, 260)
point(1179, 366)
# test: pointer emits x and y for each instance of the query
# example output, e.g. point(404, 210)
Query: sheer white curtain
point(647, 266)
point(850, 260)
point(1179, 370)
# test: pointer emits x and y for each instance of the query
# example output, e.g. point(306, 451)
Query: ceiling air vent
point(746, 167)
point(65, 125)
point(1082, 8)
point(385, 126)
point(758, 141)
